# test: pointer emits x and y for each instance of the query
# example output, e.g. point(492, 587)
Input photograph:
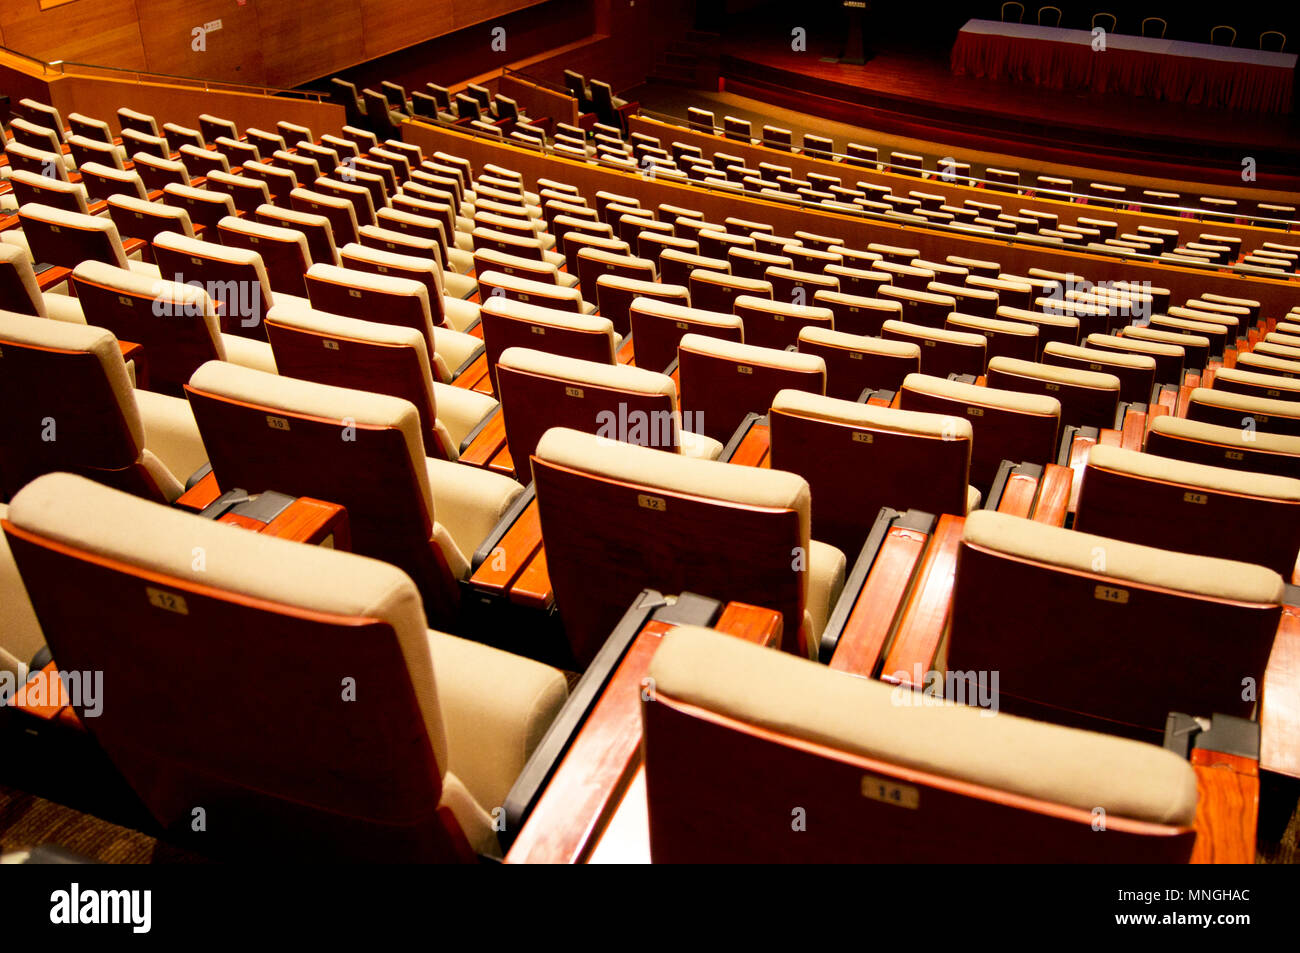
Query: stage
point(913, 93)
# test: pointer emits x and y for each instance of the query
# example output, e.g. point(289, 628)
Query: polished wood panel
point(1054, 495)
point(104, 31)
point(754, 447)
point(513, 553)
point(925, 616)
point(1018, 495)
point(592, 777)
point(1227, 810)
point(875, 612)
point(1279, 715)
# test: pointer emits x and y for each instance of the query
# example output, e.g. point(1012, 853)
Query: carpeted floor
point(28, 821)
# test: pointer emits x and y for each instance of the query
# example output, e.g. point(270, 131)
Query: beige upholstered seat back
point(928, 781)
point(175, 637)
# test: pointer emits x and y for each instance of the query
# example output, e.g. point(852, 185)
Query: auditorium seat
point(1235, 380)
point(361, 450)
point(1190, 507)
point(35, 189)
point(316, 229)
point(379, 358)
point(1007, 424)
point(414, 770)
point(490, 259)
point(1118, 614)
point(915, 461)
point(71, 406)
point(340, 212)
point(20, 292)
point(284, 251)
point(928, 782)
point(539, 390)
point(658, 325)
point(544, 294)
point(204, 207)
point(721, 381)
point(235, 277)
point(598, 497)
point(176, 323)
point(1136, 372)
point(596, 263)
point(1009, 339)
point(372, 295)
point(855, 363)
point(145, 220)
point(776, 324)
point(1088, 398)
point(214, 127)
point(54, 237)
point(249, 193)
point(510, 323)
point(1238, 448)
point(1169, 358)
point(943, 352)
point(1263, 364)
point(36, 162)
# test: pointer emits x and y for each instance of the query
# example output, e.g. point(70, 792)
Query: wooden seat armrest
point(750, 442)
point(481, 443)
point(473, 376)
point(44, 697)
point(1279, 706)
point(868, 608)
point(576, 777)
point(546, 757)
point(469, 362)
point(924, 622)
point(1055, 490)
point(1224, 755)
point(1134, 433)
point(197, 496)
point(1015, 488)
point(517, 522)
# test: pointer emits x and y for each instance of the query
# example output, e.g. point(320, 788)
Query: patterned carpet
point(27, 821)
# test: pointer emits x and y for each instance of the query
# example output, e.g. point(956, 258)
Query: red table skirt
point(1076, 66)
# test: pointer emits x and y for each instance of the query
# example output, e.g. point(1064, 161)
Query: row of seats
point(615, 517)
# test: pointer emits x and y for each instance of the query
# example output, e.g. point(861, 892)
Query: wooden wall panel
point(388, 25)
point(263, 42)
point(468, 12)
point(102, 32)
point(232, 54)
point(301, 40)
point(101, 98)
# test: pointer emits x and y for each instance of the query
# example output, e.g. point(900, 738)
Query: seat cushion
point(170, 432)
point(460, 409)
point(826, 568)
point(455, 348)
point(62, 307)
point(20, 633)
point(772, 690)
point(496, 707)
point(469, 501)
point(249, 353)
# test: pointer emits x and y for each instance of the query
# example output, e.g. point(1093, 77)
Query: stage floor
point(915, 94)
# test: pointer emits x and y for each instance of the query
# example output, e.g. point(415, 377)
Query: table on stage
point(1195, 73)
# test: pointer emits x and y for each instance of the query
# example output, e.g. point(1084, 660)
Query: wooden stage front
point(915, 94)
